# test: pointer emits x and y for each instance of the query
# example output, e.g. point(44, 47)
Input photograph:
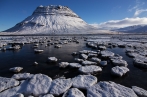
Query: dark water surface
point(25, 57)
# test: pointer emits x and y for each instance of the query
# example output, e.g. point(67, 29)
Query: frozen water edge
point(44, 87)
point(110, 64)
point(109, 89)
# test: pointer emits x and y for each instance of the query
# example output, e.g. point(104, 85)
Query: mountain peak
point(54, 10)
point(52, 19)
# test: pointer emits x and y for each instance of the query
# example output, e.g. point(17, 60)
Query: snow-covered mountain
point(52, 19)
point(133, 29)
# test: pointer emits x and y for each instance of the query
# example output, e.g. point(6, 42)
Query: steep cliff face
point(52, 20)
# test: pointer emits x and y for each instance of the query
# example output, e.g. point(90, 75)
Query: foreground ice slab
point(84, 81)
point(39, 84)
point(139, 91)
point(92, 55)
point(63, 64)
point(119, 62)
point(48, 95)
point(75, 65)
point(84, 56)
point(6, 83)
point(52, 59)
point(73, 92)
point(22, 76)
point(140, 62)
point(132, 54)
point(102, 47)
point(16, 69)
point(94, 59)
point(19, 95)
point(115, 57)
point(88, 63)
point(119, 71)
point(109, 89)
point(60, 85)
point(90, 69)
point(84, 52)
point(38, 51)
point(107, 54)
point(79, 60)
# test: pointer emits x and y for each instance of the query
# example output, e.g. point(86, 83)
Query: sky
point(99, 13)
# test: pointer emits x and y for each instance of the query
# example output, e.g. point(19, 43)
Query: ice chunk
point(84, 81)
point(106, 54)
point(52, 59)
point(94, 59)
point(119, 62)
point(19, 95)
point(6, 83)
point(119, 71)
point(92, 55)
point(39, 84)
point(63, 64)
point(75, 65)
point(38, 51)
point(109, 89)
point(16, 69)
point(73, 92)
point(79, 60)
point(90, 69)
point(84, 56)
point(60, 85)
point(88, 63)
point(22, 76)
point(47, 95)
point(139, 91)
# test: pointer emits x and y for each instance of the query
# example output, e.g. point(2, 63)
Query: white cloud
point(121, 23)
point(139, 11)
point(95, 25)
point(133, 8)
point(138, 8)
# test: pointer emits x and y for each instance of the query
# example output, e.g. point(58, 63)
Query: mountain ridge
point(52, 19)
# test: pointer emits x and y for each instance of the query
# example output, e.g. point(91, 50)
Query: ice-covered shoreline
point(91, 61)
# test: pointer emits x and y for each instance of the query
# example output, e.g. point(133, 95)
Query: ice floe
point(73, 92)
point(16, 69)
point(21, 76)
point(59, 86)
point(139, 91)
point(107, 54)
point(52, 59)
point(75, 65)
point(119, 62)
point(84, 56)
point(95, 59)
point(119, 71)
point(109, 89)
point(90, 69)
point(63, 64)
point(6, 83)
point(84, 81)
point(88, 63)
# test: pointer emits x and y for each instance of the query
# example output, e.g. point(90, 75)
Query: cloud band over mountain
point(122, 23)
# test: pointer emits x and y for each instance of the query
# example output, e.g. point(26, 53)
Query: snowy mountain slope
point(52, 20)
